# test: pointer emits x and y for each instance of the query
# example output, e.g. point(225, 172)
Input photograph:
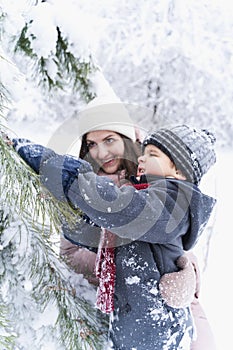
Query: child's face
point(155, 162)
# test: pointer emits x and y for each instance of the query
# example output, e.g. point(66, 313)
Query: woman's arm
point(80, 259)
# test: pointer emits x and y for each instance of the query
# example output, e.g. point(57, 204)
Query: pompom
point(210, 135)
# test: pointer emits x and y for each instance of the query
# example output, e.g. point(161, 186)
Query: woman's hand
point(179, 288)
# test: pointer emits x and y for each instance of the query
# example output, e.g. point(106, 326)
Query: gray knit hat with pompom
point(191, 150)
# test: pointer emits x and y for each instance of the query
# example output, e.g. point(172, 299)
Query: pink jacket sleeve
point(81, 260)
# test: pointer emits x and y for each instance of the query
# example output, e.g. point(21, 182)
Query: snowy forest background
point(174, 59)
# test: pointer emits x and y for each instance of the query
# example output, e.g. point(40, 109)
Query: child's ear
point(179, 175)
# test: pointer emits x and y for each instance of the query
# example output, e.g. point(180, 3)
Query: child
point(151, 226)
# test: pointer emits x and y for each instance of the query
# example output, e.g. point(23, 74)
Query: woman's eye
point(110, 140)
point(91, 145)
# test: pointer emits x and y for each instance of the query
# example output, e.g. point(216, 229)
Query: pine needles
point(31, 270)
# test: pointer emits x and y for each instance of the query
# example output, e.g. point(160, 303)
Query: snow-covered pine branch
point(35, 288)
point(7, 336)
point(61, 68)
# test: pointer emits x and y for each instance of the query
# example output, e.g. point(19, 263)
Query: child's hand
point(178, 288)
point(6, 138)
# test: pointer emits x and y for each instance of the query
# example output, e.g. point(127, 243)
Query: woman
point(113, 151)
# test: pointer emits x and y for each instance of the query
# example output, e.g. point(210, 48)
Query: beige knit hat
point(100, 115)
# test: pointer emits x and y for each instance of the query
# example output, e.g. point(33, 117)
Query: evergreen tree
point(34, 280)
point(43, 303)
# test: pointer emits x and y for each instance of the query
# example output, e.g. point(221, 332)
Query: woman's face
point(106, 148)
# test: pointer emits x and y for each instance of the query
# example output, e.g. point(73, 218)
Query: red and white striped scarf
point(105, 270)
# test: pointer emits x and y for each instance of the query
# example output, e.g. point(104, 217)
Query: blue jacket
point(153, 227)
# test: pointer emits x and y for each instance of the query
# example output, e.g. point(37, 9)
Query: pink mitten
point(178, 288)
